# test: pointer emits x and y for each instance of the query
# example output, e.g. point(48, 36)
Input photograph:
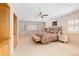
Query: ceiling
point(31, 10)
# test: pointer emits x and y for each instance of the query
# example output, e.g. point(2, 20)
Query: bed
point(50, 35)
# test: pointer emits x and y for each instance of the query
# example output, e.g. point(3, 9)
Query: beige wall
point(63, 21)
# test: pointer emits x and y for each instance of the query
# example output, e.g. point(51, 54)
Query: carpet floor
point(27, 47)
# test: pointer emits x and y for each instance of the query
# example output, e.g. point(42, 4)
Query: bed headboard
point(55, 29)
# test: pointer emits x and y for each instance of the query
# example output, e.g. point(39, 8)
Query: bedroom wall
point(47, 21)
point(63, 21)
point(30, 27)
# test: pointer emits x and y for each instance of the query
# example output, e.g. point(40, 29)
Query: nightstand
point(63, 38)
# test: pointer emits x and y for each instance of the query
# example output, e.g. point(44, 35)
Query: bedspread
point(47, 37)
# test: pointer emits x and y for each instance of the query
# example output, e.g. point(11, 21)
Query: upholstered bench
point(36, 38)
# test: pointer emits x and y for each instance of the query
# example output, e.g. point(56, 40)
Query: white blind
point(73, 25)
point(35, 26)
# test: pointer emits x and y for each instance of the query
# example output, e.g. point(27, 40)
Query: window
point(35, 26)
point(32, 27)
point(73, 25)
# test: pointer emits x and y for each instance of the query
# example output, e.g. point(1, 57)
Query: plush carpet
point(26, 47)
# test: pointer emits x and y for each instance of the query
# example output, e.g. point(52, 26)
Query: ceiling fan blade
point(42, 16)
point(45, 15)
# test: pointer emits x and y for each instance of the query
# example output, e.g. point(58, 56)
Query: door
point(15, 31)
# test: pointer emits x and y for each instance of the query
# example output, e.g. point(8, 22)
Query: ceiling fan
point(41, 14)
